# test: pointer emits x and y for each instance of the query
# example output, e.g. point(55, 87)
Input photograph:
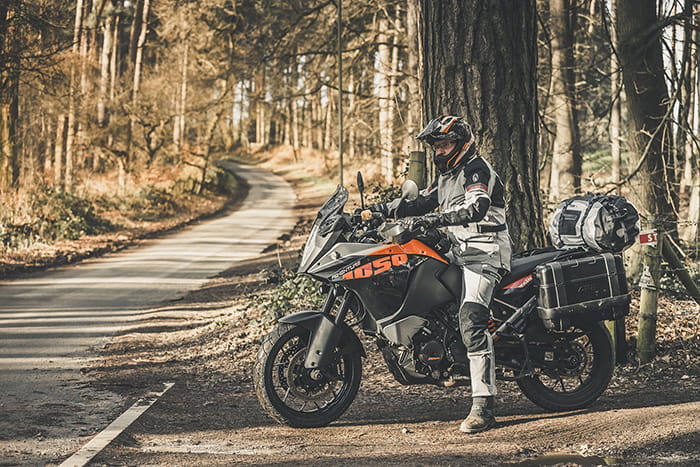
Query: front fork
point(323, 342)
point(344, 304)
point(326, 331)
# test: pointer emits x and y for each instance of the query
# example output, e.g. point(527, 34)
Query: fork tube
point(344, 307)
point(330, 300)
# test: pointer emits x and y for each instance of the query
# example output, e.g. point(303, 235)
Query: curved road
point(51, 323)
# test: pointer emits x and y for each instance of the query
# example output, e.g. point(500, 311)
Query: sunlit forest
point(127, 104)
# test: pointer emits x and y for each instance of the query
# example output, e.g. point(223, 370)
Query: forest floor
point(206, 344)
point(650, 414)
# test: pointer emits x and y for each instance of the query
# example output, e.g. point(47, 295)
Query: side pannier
point(593, 286)
point(594, 221)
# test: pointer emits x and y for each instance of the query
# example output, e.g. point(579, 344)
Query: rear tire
point(297, 396)
point(590, 360)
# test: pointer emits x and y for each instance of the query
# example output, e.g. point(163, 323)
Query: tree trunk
point(412, 84)
point(59, 150)
point(206, 145)
point(141, 41)
point(105, 61)
point(260, 105)
point(329, 134)
point(685, 93)
point(386, 127)
point(489, 76)
point(648, 111)
point(135, 31)
point(692, 124)
point(9, 99)
point(181, 103)
point(691, 231)
point(114, 60)
point(616, 107)
point(566, 154)
point(81, 111)
point(72, 100)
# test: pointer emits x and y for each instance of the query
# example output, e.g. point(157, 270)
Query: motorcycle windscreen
point(323, 234)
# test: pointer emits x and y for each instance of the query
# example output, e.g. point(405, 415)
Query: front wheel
point(298, 396)
point(575, 369)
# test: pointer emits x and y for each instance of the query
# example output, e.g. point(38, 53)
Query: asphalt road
point(51, 324)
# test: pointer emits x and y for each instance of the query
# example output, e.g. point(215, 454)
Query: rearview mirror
point(361, 189)
point(409, 190)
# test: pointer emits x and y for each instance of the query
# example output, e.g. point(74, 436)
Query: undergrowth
point(50, 215)
point(44, 215)
point(291, 293)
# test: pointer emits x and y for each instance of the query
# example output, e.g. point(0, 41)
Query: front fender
point(325, 337)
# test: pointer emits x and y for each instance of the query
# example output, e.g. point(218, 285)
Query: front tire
point(584, 359)
point(297, 396)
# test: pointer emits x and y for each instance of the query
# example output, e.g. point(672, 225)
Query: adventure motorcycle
point(394, 283)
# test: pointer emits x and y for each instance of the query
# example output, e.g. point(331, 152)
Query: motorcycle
point(394, 283)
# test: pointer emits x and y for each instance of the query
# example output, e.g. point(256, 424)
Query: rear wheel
point(297, 396)
point(575, 371)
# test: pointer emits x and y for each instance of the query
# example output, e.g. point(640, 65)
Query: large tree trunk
point(479, 61)
point(565, 179)
point(648, 110)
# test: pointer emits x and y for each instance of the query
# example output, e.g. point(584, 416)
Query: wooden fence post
point(649, 295)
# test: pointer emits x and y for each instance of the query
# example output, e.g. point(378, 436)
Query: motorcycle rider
point(470, 203)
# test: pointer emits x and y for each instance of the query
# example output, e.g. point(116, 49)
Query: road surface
point(51, 324)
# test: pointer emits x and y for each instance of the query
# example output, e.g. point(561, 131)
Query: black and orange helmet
point(449, 127)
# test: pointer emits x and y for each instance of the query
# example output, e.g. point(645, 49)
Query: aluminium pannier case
point(592, 286)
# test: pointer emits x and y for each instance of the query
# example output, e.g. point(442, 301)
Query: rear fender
point(325, 337)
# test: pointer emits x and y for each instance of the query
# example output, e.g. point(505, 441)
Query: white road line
point(106, 436)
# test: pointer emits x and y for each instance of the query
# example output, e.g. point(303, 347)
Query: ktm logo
point(377, 266)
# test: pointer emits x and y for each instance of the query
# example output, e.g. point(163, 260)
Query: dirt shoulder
point(650, 415)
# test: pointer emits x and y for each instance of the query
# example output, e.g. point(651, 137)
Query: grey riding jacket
point(472, 199)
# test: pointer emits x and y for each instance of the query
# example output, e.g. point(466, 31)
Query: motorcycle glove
point(428, 221)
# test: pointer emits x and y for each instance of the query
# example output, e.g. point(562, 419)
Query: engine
point(437, 354)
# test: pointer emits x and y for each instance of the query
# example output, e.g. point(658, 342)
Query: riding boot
point(480, 417)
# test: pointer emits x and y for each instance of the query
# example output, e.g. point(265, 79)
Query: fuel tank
point(396, 281)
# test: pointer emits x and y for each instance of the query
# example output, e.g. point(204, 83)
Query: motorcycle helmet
point(449, 127)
